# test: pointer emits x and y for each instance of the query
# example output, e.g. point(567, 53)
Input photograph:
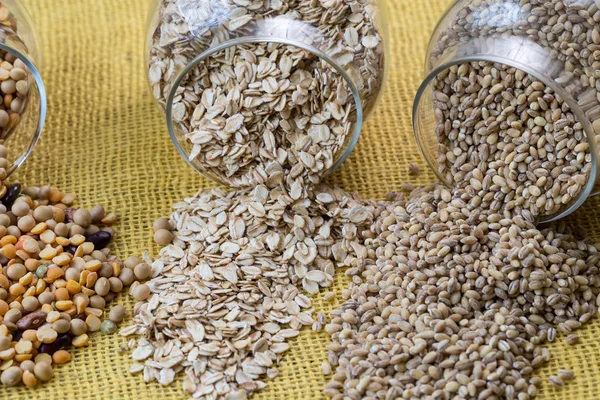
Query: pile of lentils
point(56, 279)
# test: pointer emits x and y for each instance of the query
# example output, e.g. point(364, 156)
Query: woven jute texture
point(106, 141)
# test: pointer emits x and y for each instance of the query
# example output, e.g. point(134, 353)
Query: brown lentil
point(43, 371)
point(117, 314)
point(163, 237)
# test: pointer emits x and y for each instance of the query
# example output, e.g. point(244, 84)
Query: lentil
point(11, 376)
point(163, 237)
point(117, 314)
point(108, 327)
point(141, 292)
point(61, 357)
point(43, 371)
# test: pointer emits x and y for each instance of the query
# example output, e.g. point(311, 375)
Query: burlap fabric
point(106, 141)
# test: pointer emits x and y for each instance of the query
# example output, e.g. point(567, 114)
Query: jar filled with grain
point(510, 106)
point(22, 92)
point(256, 91)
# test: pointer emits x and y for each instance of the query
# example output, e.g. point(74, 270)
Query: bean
point(115, 284)
point(4, 343)
point(61, 326)
point(82, 217)
point(97, 301)
point(29, 378)
point(93, 323)
point(132, 262)
point(30, 303)
point(97, 213)
point(11, 195)
point(46, 335)
point(161, 223)
point(27, 365)
point(61, 357)
point(142, 271)
point(102, 286)
point(163, 237)
point(12, 315)
point(63, 340)
point(20, 208)
point(100, 239)
point(127, 276)
point(32, 321)
point(78, 327)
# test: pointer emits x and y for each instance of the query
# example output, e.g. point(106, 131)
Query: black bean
point(70, 249)
point(11, 195)
point(17, 335)
point(100, 239)
point(62, 340)
point(69, 212)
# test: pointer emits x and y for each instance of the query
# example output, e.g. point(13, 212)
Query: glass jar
point(556, 42)
point(247, 86)
point(23, 104)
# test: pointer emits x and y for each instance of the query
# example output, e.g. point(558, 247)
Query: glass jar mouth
point(572, 103)
point(42, 107)
point(259, 39)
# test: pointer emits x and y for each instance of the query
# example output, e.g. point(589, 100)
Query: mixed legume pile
point(57, 277)
point(263, 113)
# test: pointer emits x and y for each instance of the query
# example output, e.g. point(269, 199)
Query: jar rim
point(262, 39)
point(42, 107)
point(571, 102)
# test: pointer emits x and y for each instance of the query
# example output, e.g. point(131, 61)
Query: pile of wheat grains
point(450, 300)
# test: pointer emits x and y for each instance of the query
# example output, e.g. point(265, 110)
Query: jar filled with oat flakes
point(255, 91)
point(510, 106)
point(22, 92)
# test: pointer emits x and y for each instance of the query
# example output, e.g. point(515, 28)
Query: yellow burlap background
point(106, 141)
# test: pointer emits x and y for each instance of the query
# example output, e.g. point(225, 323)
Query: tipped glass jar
point(512, 93)
point(22, 92)
point(266, 92)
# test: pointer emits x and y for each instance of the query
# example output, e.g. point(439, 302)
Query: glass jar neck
point(30, 128)
point(532, 59)
point(173, 92)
